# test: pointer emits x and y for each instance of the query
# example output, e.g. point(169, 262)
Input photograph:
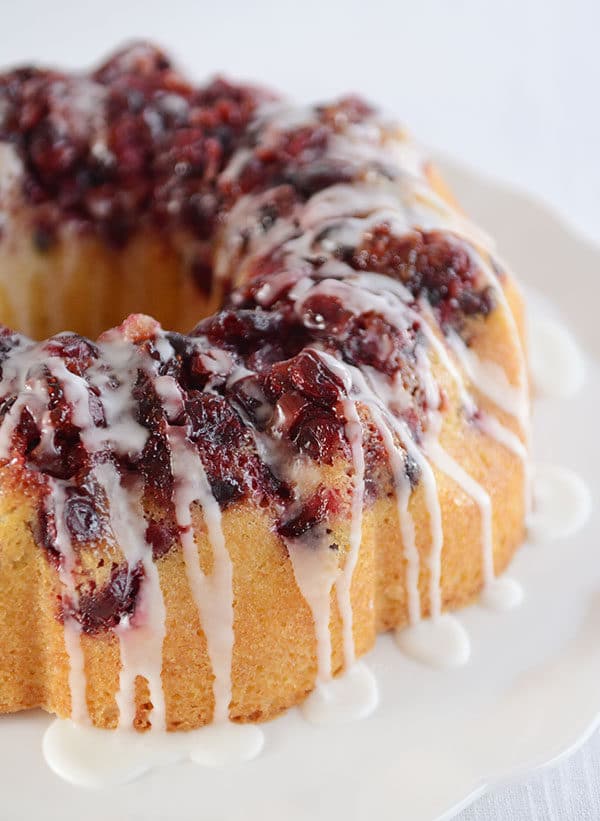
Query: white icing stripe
point(407, 526)
point(316, 570)
point(213, 593)
point(434, 512)
point(77, 676)
point(492, 427)
point(451, 468)
point(141, 641)
point(401, 316)
point(316, 567)
point(373, 396)
point(490, 378)
point(354, 434)
point(55, 503)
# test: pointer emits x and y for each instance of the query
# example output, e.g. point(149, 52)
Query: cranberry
point(65, 460)
point(52, 153)
point(102, 609)
point(155, 461)
point(226, 449)
point(320, 436)
point(82, 516)
point(241, 330)
point(140, 58)
point(308, 374)
point(161, 537)
point(314, 177)
point(322, 312)
point(372, 340)
point(157, 153)
point(313, 512)
point(78, 352)
point(44, 533)
point(213, 422)
point(26, 436)
point(431, 264)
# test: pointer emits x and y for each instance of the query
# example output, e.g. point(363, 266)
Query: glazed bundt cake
point(201, 525)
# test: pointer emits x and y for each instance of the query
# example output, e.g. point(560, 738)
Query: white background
point(511, 88)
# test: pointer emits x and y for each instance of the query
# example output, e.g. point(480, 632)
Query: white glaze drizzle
point(557, 366)
point(55, 504)
point(401, 315)
point(212, 593)
point(140, 642)
point(316, 569)
point(562, 503)
point(442, 642)
point(91, 757)
point(354, 434)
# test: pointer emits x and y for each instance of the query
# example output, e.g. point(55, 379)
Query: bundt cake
point(201, 525)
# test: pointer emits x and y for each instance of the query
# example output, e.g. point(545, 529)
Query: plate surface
point(529, 694)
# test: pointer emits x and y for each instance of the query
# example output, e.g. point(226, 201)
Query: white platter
point(530, 693)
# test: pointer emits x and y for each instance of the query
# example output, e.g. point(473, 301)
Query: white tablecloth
point(510, 87)
point(568, 791)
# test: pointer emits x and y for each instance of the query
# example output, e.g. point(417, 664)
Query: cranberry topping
point(162, 537)
point(138, 58)
point(144, 143)
point(64, 456)
point(103, 608)
point(155, 461)
point(307, 409)
point(77, 352)
point(319, 507)
point(430, 264)
point(26, 436)
point(82, 516)
point(243, 330)
point(271, 165)
point(372, 340)
point(308, 375)
point(43, 530)
point(227, 450)
point(296, 158)
point(326, 313)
